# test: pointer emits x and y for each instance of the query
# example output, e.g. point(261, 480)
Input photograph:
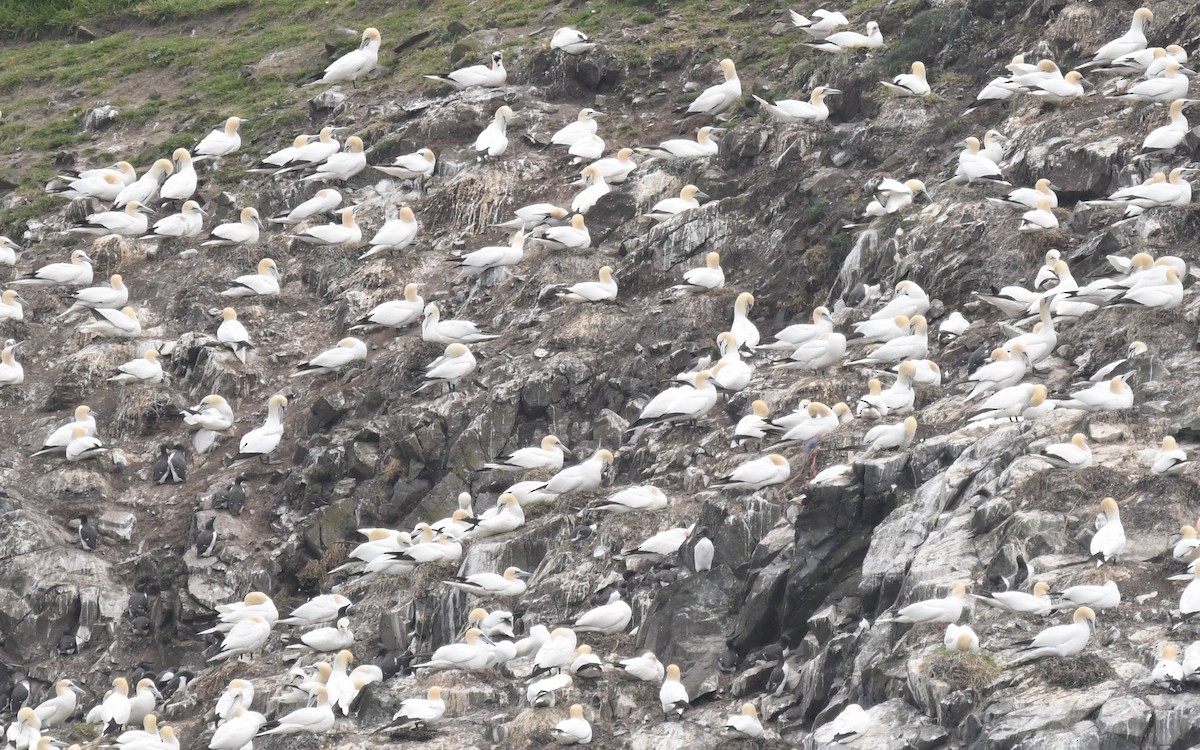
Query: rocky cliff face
point(816, 565)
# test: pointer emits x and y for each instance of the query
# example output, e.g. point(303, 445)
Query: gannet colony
point(506, 407)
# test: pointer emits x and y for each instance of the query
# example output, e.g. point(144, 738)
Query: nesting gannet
point(646, 667)
point(639, 497)
point(1167, 137)
point(1023, 401)
point(319, 609)
point(12, 305)
point(274, 161)
point(580, 477)
point(556, 652)
point(493, 141)
point(327, 639)
point(571, 41)
point(510, 583)
point(57, 440)
point(420, 712)
point(121, 323)
point(798, 333)
point(395, 234)
point(614, 169)
point(25, 731)
point(716, 99)
point(324, 201)
point(243, 231)
point(144, 189)
point(678, 404)
point(142, 702)
point(315, 152)
point(744, 725)
point(583, 125)
point(761, 472)
point(961, 638)
point(910, 299)
point(187, 223)
point(672, 695)
point(57, 710)
point(852, 723)
point(130, 221)
point(146, 370)
point(1106, 596)
point(1109, 541)
point(844, 41)
point(1114, 395)
point(680, 148)
point(507, 516)
point(880, 331)
point(104, 185)
point(476, 75)
point(822, 23)
point(345, 232)
point(348, 351)
point(541, 693)
point(946, 609)
point(548, 455)
point(264, 283)
point(114, 296)
point(113, 708)
point(889, 196)
point(900, 348)
point(909, 84)
point(222, 141)
point(889, 437)
point(263, 441)
point(1171, 86)
point(8, 251)
point(604, 290)
point(536, 215)
point(993, 146)
point(233, 334)
point(456, 363)
point(238, 730)
point(181, 185)
point(1058, 90)
point(1185, 548)
point(11, 372)
point(472, 654)
point(660, 545)
point(574, 730)
point(1169, 459)
point(1167, 672)
point(1075, 454)
point(794, 110)
point(1131, 41)
point(341, 166)
point(1018, 602)
point(975, 167)
point(826, 350)
point(1028, 198)
point(1165, 295)
point(1062, 640)
point(395, 313)
point(1038, 219)
point(415, 166)
point(316, 719)
point(688, 199)
point(438, 331)
point(575, 236)
point(596, 188)
point(354, 64)
point(211, 416)
point(821, 421)
point(245, 637)
point(753, 426)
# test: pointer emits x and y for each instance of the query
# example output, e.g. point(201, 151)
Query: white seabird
point(822, 23)
point(233, 334)
point(242, 232)
point(716, 99)
point(583, 125)
point(646, 667)
point(130, 221)
point(1028, 198)
point(1109, 540)
point(596, 188)
point(1019, 602)
point(264, 283)
point(1167, 137)
point(798, 333)
point(11, 371)
point(343, 165)
point(395, 313)
point(508, 517)
point(672, 695)
point(121, 323)
point(638, 497)
point(509, 583)
point(580, 477)
point(493, 256)
point(438, 331)
point(316, 719)
point(1058, 90)
point(324, 201)
point(680, 148)
point(146, 186)
point(1062, 640)
point(395, 234)
point(245, 637)
point(354, 64)
point(1132, 40)
point(604, 290)
point(548, 455)
point(574, 236)
point(146, 370)
point(420, 712)
point(574, 730)
point(189, 222)
point(536, 215)
point(689, 198)
point(57, 441)
point(1075, 454)
point(1169, 460)
point(542, 692)
point(1039, 219)
point(975, 167)
point(794, 110)
point(348, 351)
point(753, 426)
point(1106, 596)
point(239, 729)
point(57, 710)
point(493, 141)
point(345, 232)
point(476, 75)
point(263, 441)
point(327, 639)
point(844, 41)
point(211, 416)
point(222, 141)
point(414, 166)
point(319, 609)
point(272, 162)
point(909, 84)
point(852, 723)
point(1114, 395)
point(472, 654)
point(761, 472)
point(946, 609)
point(571, 41)
point(181, 185)
point(456, 363)
point(1171, 86)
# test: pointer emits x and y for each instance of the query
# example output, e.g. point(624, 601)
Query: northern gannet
point(689, 198)
point(131, 221)
point(614, 169)
point(263, 441)
point(316, 719)
point(794, 110)
point(323, 201)
point(679, 148)
point(144, 189)
point(646, 667)
point(107, 323)
point(1169, 460)
point(189, 222)
point(420, 712)
point(222, 141)
point(263, 283)
point(672, 695)
point(604, 290)
point(348, 351)
point(509, 583)
point(327, 639)
point(909, 84)
point(1109, 541)
point(345, 232)
point(1131, 41)
point(716, 99)
point(708, 278)
point(583, 125)
point(476, 75)
point(946, 609)
point(211, 416)
point(1025, 198)
point(233, 334)
point(456, 363)
point(595, 189)
point(1018, 602)
point(548, 455)
point(639, 497)
point(571, 41)
point(438, 331)
point(587, 475)
point(395, 234)
point(414, 166)
point(822, 23)
point(354, 64)
point(1171, 86)
point(1062, 640)
point(395, 313)
point(574, 730)
point(243, 231)
point(181, 185)
point(11, 372)
point(756, 474)
point(844, 41)
point(146, 370)
point(574, 236)
point(493, 141)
